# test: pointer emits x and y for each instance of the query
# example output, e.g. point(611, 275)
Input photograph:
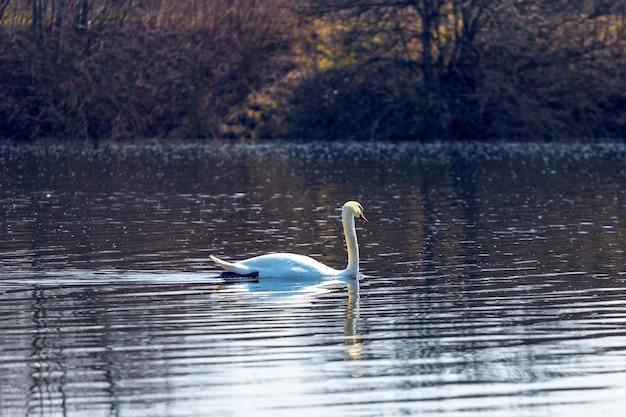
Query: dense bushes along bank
point(325, 69)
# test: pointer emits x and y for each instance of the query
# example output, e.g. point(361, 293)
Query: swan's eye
point(361, 207)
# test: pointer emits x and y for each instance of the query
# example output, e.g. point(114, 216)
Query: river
point(494, 280)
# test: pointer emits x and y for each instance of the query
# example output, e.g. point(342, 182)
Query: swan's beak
point(362, 217)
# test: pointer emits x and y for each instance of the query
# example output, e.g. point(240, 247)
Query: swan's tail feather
point(233, 267)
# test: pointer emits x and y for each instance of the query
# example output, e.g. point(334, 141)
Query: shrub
point(459, 69)
point(125, 69)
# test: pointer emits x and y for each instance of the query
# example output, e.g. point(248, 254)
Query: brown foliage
point(125, 69)
point(328, 69)
point(466, 69)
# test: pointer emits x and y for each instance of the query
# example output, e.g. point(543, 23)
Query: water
point(495, 281)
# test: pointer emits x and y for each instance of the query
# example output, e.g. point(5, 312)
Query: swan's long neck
point(349, 232)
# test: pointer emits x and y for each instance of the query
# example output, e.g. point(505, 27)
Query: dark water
point(496, 281)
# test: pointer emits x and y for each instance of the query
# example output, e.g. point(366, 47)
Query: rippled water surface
point(495, 281)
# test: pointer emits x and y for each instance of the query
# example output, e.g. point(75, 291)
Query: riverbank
point(323, 71)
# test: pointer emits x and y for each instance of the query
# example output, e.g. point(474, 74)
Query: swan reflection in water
point(303, 292)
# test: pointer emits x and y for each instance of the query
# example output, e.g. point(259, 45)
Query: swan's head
point(354, 208)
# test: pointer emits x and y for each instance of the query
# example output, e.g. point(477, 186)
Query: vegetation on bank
point(319, 69)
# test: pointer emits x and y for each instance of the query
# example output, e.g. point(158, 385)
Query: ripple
point(493, 284)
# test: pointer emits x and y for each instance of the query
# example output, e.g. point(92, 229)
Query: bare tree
point(429, 35)
point(480, 67)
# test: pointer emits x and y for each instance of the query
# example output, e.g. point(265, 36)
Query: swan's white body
point(285, 265)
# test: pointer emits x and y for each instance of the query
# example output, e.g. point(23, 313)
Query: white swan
point(284, 265)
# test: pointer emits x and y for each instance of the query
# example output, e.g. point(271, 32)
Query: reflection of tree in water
point(72, 357)
point(48, 369)
point(491, 227)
